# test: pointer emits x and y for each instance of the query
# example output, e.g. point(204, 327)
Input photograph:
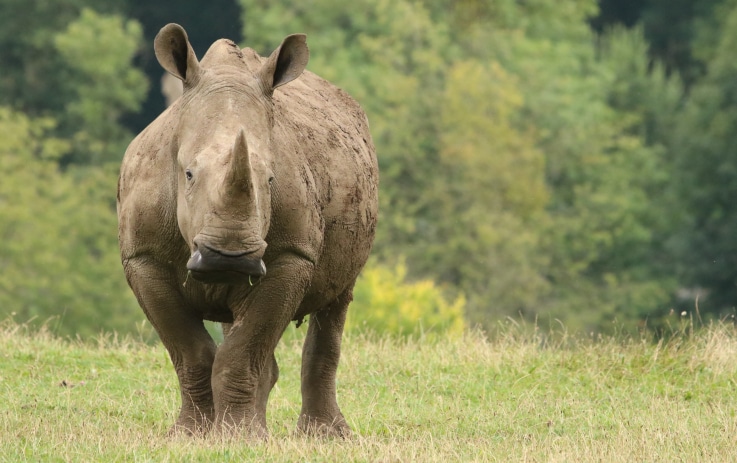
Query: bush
point(385, 302)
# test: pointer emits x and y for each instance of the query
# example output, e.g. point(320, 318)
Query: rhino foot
point(252, 431)
point(316, 427)
point(189, 428)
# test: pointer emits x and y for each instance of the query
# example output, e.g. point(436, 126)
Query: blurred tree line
point(571, 160)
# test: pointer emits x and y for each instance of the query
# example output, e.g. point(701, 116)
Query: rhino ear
point(175, 54)
point(286, 63)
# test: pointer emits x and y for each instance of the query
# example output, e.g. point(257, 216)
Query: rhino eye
point(271, 180)
point(188, 174)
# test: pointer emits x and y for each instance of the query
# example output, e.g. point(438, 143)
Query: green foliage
point(98, 51)
point(59, 254)
point(704, 150)
point(493, 185)
point(33, 73)
point(385, 302)
point(585, 253)
point(681, 34)
point(65, 61)
point(608, 177)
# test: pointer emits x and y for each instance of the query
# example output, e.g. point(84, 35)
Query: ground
point(522, 396)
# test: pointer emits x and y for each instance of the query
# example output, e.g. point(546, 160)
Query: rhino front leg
point(190, 347)
point(245, 369)
point(269, 377)
point(320, 413)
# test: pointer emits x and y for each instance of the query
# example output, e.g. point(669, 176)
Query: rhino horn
point(239, 171)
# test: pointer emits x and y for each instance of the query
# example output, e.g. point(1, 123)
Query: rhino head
point(224, 150)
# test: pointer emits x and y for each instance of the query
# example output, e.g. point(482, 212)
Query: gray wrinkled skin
point(251, 201)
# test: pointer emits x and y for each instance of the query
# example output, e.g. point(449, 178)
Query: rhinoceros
point(250, 201)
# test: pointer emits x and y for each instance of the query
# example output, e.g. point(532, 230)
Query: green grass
point(516, 398)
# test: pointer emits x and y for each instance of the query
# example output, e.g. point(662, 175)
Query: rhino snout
point(211, 265)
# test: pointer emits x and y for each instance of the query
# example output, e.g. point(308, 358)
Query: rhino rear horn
point(286, 63)
point(175, 54)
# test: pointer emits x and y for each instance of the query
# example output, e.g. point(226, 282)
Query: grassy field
point(516, 398)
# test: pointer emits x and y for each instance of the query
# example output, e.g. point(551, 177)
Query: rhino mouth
point(209, 265)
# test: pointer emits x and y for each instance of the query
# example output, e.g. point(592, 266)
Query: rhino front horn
point(239, 175)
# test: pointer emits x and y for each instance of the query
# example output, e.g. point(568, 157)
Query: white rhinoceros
point(251, 204)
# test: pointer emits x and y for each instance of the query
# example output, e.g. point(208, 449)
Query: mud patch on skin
point(234, 49)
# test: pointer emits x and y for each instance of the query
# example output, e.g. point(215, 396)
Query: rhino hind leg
point(320, 415)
